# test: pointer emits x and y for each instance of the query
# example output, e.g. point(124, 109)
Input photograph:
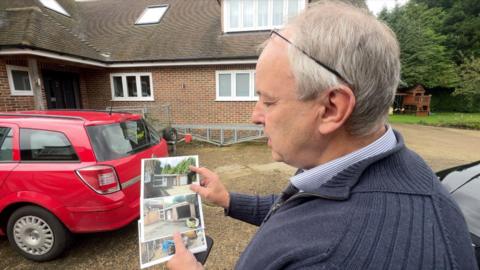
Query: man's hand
point(183, 259)
point(211, 188)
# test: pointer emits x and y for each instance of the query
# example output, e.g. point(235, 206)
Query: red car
point(64, 172)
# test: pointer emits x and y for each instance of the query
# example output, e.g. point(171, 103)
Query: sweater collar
point(339, 187)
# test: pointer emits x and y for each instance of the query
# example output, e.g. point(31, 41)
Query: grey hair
point(361, 48)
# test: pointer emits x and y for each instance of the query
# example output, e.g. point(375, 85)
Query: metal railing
point(221, 134)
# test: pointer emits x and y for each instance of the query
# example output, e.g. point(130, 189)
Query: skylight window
point(53, 5)
point(152, 14)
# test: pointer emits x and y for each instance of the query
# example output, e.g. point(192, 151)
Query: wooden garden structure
point(412, 101)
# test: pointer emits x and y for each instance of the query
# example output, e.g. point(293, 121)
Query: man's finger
point(179, 246)
point(202, 191)
point(193, 168)
point(202, 171)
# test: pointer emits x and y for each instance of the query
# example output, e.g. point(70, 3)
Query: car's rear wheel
point(37, 234)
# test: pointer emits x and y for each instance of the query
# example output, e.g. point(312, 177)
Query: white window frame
point(13, 91)
point(138, 83)
point(233, 74)
point(270, 25)
point(55, 6)
point(138, 21)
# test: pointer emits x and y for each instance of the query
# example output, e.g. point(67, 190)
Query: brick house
point(198, 56)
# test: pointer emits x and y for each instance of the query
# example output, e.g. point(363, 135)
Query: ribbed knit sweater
point(385, 212)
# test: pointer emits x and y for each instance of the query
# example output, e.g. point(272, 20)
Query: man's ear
point(338, 104)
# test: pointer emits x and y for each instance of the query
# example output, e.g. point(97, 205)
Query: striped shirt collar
point(310, 180)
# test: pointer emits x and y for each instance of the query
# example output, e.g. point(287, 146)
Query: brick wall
point(7, 101)
point(193, 104)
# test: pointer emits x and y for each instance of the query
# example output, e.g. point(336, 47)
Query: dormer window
point(53, 5)
point(252, 15)
point(152, 14)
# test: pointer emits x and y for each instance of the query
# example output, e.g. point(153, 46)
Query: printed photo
point(168, 176)
point(160, 250)
point(165, 215)
point(167, 205)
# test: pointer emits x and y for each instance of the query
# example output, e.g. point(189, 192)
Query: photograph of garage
point(165, 215)
point(168, 176)
point(160, 250)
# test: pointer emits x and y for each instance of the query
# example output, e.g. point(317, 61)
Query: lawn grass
point(455, 120)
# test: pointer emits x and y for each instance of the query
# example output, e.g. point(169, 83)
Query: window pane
point(6, 152)
point(145, 82)
point(254, 86)
point(154, 136)
point(45, 145)
point(21, 80)
point(118, 140)
point(247, 13)
point(292, 8)
point(242, 84)
point(262, 13)
point(152, 15)
point(118, 86)
point(132, 86)
point(234, 13)
point(53, 5)
point(277, 12)
point(224, 85)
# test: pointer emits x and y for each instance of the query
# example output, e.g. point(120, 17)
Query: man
point(361, 199)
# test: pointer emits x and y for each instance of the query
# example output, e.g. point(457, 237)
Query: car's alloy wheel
point(33, 235)
point(37, 234)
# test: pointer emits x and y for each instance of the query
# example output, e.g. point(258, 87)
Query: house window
point(53, 5)
point(132, 86)
point(152, 14)
point(236, 85)
point(252, 15)
point(19, 80)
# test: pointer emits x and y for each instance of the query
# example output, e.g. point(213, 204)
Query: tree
point(424, 57)
point(469, 86)
point(167, 169)
point(180, 168)
point(461, 26)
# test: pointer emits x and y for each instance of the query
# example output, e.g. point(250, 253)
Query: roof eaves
point(27, 46)
point(252, 57)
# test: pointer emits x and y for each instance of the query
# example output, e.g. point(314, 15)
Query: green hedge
point(444, 101)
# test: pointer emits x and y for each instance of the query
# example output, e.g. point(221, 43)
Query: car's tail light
point(101, 178)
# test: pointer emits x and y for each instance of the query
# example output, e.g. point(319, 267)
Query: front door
point(61, 89)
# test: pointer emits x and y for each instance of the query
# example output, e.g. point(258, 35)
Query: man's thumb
point(179, 246)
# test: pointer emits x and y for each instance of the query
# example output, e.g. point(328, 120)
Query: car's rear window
point(121, 139)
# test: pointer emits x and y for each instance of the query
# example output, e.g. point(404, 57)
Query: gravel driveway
point(243, 168)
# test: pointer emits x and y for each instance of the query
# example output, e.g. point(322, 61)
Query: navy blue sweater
point(385, 212)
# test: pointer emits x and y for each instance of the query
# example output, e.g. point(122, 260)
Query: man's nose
point(258, 117)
